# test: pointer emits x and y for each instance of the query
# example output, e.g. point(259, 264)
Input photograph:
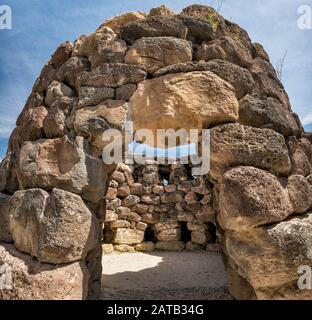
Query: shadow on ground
point(164, 276)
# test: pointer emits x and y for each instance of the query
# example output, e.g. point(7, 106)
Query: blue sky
point(40, 25)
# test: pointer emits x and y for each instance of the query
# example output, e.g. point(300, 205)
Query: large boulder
point(62, 54)
point(161, 11)
point(56, 90)
point(269, 257)
point(267, 82)
point(84, 46)
point(251, 197)
point(198, 29)
point(259, 52)
point(116, 23)
point(92, 96)
point(111, 75)
point(157, 26)
point(206, 13)
point(108, 52)
point(267, 113)
point(226, 49)
point(300, 193)
point(92, 122)
point(220, 26)
point(61, 163)
point(196, 100)
point(32, 280)
point(55, 124)
point(31, 123)
point(71, 69)
point(34, 100)
point(300, 156)
point(159, 52)
point(128, 236)
point(238, 77)
point(55, 228)
point(235, 145)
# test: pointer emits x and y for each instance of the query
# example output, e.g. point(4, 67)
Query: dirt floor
point(164, 275)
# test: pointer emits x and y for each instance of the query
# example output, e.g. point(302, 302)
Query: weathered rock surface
point(158, 52)
point(234, 145)
point(226, 49)
point(31, 123)
point(92, 122)
point(92, 96)
point(5, 234)
point(145, 246)
point(161, 11)
point(55, 124)
point(196, 99)
point(112, 75)
point(269, 257)
point(300, 193)
point(251, 197)
point(267, 82)
point(47, 282)
point(198, 29)
point(267, 113)
point(126, 91)
point(56, 90)
point(56, 228)
point(60, 163)
point(70, 71)
point(300, 156)
point(62, 54)
point(116, 23)
point(85, 46)
point(259, 52)
point(128, 236)
point(157, 26)
point(238, 77)
point(8, 178)
point(112, 51)
point(124, 248)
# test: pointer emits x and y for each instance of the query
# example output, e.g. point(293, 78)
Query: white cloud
point(6, 127)
point(307, 119)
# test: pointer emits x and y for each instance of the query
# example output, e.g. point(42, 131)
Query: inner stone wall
point(162, 207)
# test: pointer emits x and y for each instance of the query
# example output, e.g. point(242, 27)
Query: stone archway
point(191, 70)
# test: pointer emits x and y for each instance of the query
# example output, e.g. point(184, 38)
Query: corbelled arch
point(193, 70)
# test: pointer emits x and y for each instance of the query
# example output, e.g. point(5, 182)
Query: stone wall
point(162, 207)
point(163, 70)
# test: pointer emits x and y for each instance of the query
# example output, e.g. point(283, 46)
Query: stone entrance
point(194, 70)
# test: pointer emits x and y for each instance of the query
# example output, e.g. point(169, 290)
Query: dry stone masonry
point(195, 70)
point(162, 207)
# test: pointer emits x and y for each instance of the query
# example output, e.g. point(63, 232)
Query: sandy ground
point(164, 275)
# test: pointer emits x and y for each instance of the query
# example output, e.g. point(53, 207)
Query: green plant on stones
point(212, 19)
